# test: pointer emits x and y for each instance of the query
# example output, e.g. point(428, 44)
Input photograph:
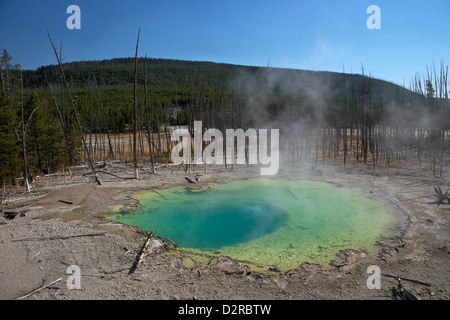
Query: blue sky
point(313, 35)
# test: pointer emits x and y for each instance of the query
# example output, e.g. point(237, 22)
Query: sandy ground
point(37, 247)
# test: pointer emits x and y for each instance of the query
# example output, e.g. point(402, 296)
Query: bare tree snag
point(149, 131)
point(74, 109)
point(136, 171)
point(24, 151)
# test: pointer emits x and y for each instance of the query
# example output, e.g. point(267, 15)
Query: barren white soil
point(49, 235)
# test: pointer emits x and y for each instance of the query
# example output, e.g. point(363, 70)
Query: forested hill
point(167, 73)
point(120, 71)
point(42, 126)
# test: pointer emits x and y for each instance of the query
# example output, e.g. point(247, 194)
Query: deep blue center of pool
point(217, 224)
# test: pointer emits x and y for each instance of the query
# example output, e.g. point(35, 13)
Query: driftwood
point(141, 256)
point(62, 237)
point(34, 291)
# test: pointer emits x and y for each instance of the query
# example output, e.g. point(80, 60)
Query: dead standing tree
point(136, 171)
point(24, 151)
point(74, 110)
point(149, 131)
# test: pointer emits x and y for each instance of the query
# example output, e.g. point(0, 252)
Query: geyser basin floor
point(263, 222)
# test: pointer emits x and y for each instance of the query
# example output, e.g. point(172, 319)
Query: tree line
point(323, 116)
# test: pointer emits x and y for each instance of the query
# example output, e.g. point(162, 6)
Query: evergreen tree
point(44, 137)
point(9, 147)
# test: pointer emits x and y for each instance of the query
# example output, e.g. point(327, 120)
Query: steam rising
point(325, 114)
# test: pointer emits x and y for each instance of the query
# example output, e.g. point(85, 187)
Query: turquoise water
point(263, 222)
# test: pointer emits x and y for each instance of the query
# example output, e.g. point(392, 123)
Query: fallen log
point(62, 237)
point(141, 256)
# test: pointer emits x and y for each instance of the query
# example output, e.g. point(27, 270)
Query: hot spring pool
point(263, 222)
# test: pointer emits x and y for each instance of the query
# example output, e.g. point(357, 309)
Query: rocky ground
point(62, 223)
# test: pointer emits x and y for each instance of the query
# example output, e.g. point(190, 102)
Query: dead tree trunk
point(149, 131)
point(24, 151)
point(136, 171)
point(74, 109)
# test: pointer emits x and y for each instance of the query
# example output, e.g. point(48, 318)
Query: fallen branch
point(62, 237)
point(140, 258)
point(89, 275)
point(97, 180)
point(189, 180)
point(34, 291)
point(66, 202)
point(112, 174)
point(292, 194)
point(406, 279)
point(441, 196)
point(160, 194)
point(404, 294)
point(170, 241)
point(128, 251)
